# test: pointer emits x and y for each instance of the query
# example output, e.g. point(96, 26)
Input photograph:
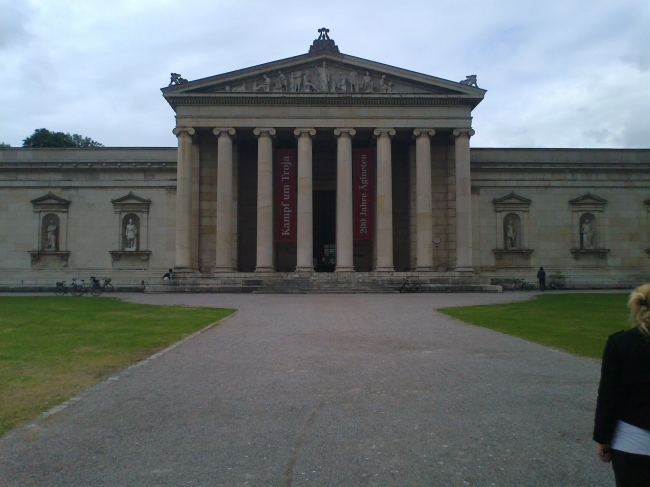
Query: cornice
point(321, 100)
point(88, 166)
point(560, 167)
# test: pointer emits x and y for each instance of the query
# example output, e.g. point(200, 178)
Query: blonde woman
point(622, 424)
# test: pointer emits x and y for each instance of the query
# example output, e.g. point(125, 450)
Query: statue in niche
point(587, 232)
point(295, 79)
point(341, 87)
point(354, 82)
point(469, 81)
point(241, 88)
point(511, 235)
point(280, 83)
point(51, 236)
point(324, 78)
point(131, 236)
point(307, 85)
point(265, 86)
point(368, 85)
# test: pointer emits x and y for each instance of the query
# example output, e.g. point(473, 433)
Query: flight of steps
point(307, 285)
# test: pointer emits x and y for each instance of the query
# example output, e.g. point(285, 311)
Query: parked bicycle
point(106, 286)
point(556, 286)
point(62, 288)
point(522, 285)
point(94, 287)
point(409, 286)
point(143, 286)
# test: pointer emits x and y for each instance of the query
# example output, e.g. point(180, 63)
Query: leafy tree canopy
point(2, 144)
point(45, 138)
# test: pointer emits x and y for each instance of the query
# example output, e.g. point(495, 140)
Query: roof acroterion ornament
point(323, 43)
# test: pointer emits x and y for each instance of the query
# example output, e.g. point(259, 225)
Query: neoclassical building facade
point(324, 167)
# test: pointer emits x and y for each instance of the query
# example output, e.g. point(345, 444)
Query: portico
point(341, 164)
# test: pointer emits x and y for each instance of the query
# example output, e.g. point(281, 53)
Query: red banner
point(286, 191)
point(363, 193)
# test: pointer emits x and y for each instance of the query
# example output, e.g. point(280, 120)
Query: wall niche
point(51, 245)
point(132, 243)
point(512, 247)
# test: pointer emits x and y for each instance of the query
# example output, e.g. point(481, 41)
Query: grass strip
point(577, 323)
point(51, 348)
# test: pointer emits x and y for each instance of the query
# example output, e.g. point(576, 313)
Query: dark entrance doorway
point(325, 230)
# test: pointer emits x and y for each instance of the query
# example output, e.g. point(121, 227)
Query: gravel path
point(326, 390)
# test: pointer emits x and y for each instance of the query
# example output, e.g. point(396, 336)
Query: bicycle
point(62, 288)
point(522, 285)
point(408, 286)
point(79, 289)
point(94, 288)
point(143, 286)
point(556, 286)
point(106, 287)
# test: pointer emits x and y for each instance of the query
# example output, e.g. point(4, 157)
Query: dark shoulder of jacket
point(634, 352)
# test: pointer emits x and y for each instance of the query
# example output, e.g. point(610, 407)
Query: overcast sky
point(558, 73)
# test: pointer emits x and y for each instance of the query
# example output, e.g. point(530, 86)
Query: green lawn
point(577, 323)
point(51, 348)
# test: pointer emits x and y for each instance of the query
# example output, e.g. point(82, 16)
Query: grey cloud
point(13, 21)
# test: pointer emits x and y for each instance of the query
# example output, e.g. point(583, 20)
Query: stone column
point(264, 199)
point(384, 234)
point(305, 244)
point(184, 201)
point(424, 218)
point(463, 201)
point(223, 262)
point(344, 241)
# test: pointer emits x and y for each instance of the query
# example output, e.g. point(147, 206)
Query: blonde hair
point(639, 304)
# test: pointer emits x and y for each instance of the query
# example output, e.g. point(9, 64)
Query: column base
point(304, 270)
point(385, 269)
point(264, 270)
point(464, 269)
point(344, 270)
point(425, 269)
point(185, 272)
point(223, 270)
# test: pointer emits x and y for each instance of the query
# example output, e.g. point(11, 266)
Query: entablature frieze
point(320, 100)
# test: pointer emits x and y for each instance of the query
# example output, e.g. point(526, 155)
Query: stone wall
point(89, 193)
point(563, 186)
point(546, 193)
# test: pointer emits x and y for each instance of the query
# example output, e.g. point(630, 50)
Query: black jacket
point(624, 391)
point(541, 274)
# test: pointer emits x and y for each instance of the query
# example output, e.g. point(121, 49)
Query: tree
point(2, 144)
point(45, 138)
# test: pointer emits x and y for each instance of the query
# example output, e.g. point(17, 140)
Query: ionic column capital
point(417, 133)
point(183, 131)
point(264, 132)
point(344, 132)
point(384, 132)
point(463, 133)
point(304, 132)
point(224, 132)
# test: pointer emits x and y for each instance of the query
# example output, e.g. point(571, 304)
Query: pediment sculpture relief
point(319, 79)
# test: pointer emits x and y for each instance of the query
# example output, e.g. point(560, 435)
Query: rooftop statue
point(176, 79)
point(469, 81)
point(323, 43)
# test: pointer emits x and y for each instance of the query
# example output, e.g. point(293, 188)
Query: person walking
point(622, 420)
point(541, 276)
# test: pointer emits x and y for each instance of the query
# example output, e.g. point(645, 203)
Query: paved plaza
point(326, 390)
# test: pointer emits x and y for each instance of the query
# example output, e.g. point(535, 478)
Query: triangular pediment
point(512, 198)
point(131, 202)
point(588, 199)
point(131, 198)
point(323, 73)
point(51, 202)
